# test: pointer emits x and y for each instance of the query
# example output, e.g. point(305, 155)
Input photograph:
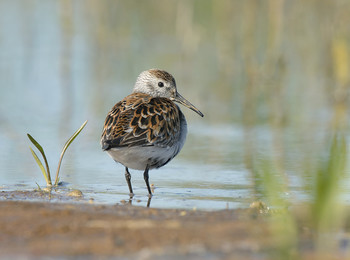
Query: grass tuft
point(46, 172)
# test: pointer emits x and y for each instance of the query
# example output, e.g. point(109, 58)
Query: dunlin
point(147, 129)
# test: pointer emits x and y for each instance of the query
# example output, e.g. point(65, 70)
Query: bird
point(147, 129)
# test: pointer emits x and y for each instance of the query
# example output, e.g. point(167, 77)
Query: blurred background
point(271, 77)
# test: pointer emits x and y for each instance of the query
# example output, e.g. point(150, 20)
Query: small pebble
point(260, 206)
point(183, 213)
point(75, 193)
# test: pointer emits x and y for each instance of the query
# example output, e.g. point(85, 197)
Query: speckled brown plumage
point(161, 74)
point(142, 120)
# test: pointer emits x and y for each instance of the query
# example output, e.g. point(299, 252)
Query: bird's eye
point(160, 84)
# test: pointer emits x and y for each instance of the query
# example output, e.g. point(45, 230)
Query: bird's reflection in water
point(130, 200)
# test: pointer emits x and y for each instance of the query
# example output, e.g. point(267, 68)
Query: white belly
point(139, 157)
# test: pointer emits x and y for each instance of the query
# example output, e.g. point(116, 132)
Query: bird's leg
point(145, 176)
point(149, 202)
point(128, 180)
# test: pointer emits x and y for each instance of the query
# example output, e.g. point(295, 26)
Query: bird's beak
point(180, 99)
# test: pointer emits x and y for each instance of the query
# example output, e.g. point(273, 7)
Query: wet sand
point(33, 230)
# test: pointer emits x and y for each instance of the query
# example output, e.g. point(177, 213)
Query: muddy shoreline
point(83, 230)
point(46, 228)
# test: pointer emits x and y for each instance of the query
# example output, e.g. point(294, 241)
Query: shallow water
point(207, 174)
point(184, 183)
point(63, 62)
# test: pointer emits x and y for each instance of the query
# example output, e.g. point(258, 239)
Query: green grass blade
point(329, 178)
point(69, 141)
point(39, 188)
point(41, 166)
point(38, 146)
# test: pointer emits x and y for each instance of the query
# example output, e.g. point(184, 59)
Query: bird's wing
point(140, 120)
